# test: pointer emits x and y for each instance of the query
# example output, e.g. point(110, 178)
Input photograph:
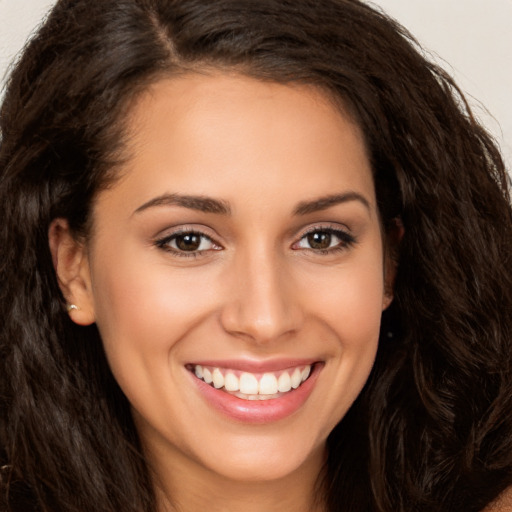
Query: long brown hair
point(432, 430)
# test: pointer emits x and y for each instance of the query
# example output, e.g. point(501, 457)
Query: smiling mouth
point(253, 386)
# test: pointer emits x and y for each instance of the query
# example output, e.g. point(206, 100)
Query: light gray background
point(472, 39)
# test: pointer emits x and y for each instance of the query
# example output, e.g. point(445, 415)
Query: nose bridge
point(261, 304)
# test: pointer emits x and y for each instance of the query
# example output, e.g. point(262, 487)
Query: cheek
point(143, 309)
point(349, 300)
point(347, 306)
point(353, 312)
point(143, 312)
point(134, 286)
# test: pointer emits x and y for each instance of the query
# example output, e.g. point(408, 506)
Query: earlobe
point(387, 299)
point(394, 238)
point(72, 269)
point(390, 267)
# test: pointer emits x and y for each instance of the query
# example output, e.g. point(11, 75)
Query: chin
point(265, 460)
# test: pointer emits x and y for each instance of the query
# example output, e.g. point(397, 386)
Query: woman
point(255, 256)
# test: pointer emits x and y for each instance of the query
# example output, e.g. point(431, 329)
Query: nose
point(262, 303)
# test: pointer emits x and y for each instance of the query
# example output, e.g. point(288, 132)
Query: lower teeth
point(243, 396)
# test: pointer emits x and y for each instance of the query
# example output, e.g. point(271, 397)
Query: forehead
point(226, 135)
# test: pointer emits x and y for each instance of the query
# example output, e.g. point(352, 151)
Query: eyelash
point(345, 241)
point(164, 243)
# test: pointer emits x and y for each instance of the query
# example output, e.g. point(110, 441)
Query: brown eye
point(319, 240)
point(325, 240)
point(188, 242)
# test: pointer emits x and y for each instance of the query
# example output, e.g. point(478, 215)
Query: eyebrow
point(322, 203)
point(216, 206)
point(200, 203)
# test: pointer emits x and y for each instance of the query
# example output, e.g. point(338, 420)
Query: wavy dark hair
point(432, 429)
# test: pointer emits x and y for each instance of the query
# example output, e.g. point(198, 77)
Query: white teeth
point(248, 384)
point(231, 382)
point(218, 378)
point(284, 383)
point(256, 397)
point(268, 384)
point(296, 378)
point(207, 376)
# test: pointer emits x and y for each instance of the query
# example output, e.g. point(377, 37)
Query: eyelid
point(327, 226)
point(347, 239)
point(162, 241)
point(179, 229)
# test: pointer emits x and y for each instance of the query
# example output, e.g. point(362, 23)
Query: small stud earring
point(72, 307)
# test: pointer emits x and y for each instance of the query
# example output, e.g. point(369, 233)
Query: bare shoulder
point(502, 504)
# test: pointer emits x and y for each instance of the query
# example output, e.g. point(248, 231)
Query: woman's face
point(236, 275)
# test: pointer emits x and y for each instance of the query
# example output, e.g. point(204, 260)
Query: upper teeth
point(247, 383)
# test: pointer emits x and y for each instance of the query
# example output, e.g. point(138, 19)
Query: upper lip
point(254, 366)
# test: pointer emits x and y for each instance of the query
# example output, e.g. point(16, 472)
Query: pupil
point(188, 242)
point(319, 240)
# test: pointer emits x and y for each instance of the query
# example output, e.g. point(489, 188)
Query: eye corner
point(324, 240)
point(187, 242)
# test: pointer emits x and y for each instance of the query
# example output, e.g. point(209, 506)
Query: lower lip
point(258, 411)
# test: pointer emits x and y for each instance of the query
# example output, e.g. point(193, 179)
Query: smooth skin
point(244, 226)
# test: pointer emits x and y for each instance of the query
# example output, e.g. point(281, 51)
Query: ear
point(394, 236)
point(72, 268)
